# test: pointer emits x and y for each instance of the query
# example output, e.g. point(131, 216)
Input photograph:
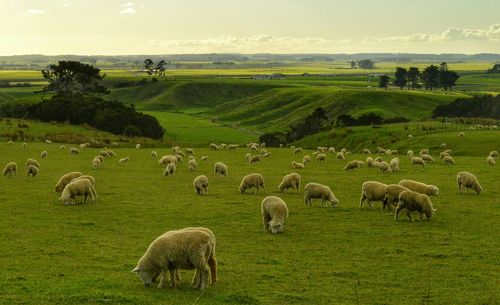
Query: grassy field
point(83, 254)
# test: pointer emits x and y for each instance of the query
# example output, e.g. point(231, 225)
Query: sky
point(114, 27)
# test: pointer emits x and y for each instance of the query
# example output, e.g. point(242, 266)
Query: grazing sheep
point(254, 180)
point(32, 170)
point(352, 165)
point(423, 151)
point(340, 156)
point(409, 154)
point(321, 149)
point(372, 191)
point(190, 151)
point(316, 190)
point(254, 147)
point(394, 152)
point(263, 151)
point(170, 170)
point(274, 214)
point(10, 169)
point(76, 188)
point(419, 187)
point(266, 154)
point(64, 180)
point(204, 158)
point(48, 141)
point(306, 159)
point(290, 181)
point(297, 150)
point(448, 151)
point(413, 201)
point(427, 158)
point(448, 160)
point(137, 146)
point(417, 161)
point(190, 248)
point(392, 192)
point(214, 146)
point(443, 145)
point(494, 154)
point(248, 156)
point(344, 150)
point(232, 146)
point(369, 161)
point(491, 160)
point(191, 158)
point(82, 146)
point(461, 134)
point(367, 151)
point(44, 154)
point(32, 162)
point(104, 154)
point(166, 160)
point(192, 165)
point(154, 154)
point(388, 152)
point(467, 180)
point(321, 157)
point(74, 151)
point(220, 168)
point(110, 153)
point(178, 157)
point(97, 163)
point(124, 160)
point(200, 185)
point(91, 179)
point(297, 165)
point(410, 137)
point(24, 145)
point(331, 150)
point(384, 167)
point(292, 147)
point(394, 164)
point(379, 159)
point(254, 159)
point(443, 154)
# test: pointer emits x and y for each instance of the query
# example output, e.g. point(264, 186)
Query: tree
point(161, 67)
point(383, 81)
point(353, 64)
point(149, 65)
point(73, 77)
point(366, 64)
point(447, 79)
point(430, 77)
point(413, 77)
point(401, 76)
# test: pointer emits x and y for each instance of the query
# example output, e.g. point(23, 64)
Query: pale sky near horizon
point(114, 27)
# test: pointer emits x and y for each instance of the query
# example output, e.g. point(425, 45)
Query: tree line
point(484, 106)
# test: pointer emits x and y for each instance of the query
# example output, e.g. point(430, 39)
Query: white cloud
point(35, 11)
point(128, 4)
point(66, 5)
point(127, 11)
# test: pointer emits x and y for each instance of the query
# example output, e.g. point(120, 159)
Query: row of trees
point(484, 106)
point(433, 77)
point(155, 69)
point(363, 64)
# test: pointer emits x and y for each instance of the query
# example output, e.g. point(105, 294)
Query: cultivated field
point(83, 254)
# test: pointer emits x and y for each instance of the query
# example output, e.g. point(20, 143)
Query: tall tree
point(150, 67)
point(448, 79)
point(353, 64)
point(73, 77)
point(383, 81)
point(161, 67)
point(430, 77)
point(366, 64)
point(413, 77)
point(401, 77)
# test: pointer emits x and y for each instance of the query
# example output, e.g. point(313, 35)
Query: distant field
point(55, 254)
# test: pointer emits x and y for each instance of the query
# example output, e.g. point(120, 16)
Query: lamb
point(422, 188)
point(448, 160)
point(10, 169)
point(166, 160)
point(137, 146)
point(491, 160)
point(32, 162)
point(340, 156)
point(91, 179)
point(297, 165)
point(372, 191)
point(384, 167)
point(44, 154)
point(74, 151)
point(297, 150)
point(32, 170)
point(467, 180)
point(254, 159)
point(170, 170)
point(190, 248)
point(367, 151)
point(274, 214)
point(255, 180)
point(427, 158)
point(124, 160)
point(200, 185)
point(423, 151)
point(413, 201)
point(64, 180)
point(110, 153)
point(352, 165)
point(82, 187)
point(369, 161)
point(192, 165)
point(392, 192)
point(417, 161)
point(321, 157)
point(290, 181)
point(394, 164)
point(306, 159)
point(154, 154)
point(316, 190)
point(220, 168)
point(204, 158)
point(494, 154)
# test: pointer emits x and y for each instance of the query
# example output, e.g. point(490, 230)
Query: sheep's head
point(434, 190)
point(275, 227)
point(333, 199)
point(281, 187)
point(145, 275)
point(477, 188)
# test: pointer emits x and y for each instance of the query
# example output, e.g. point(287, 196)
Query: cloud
point(128, 11)
point(35, 12)
point(128, 4)
point(66, 5)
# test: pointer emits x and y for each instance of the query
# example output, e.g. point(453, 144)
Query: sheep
point(394, 152)
point(175, 149)
point(200, 185)
point(494, 154)
point(124, 161)
point(24, 145)
point(290, 181)
point(467, 180)
point(384, 167)
point(427, 158)
point(137, 146)
point(10, 169)
point(413, 201)
point(166, 160)
point(223, 146)
point(32, 170)
point(321, 157)
point(83, 145)
point(82, 187)
point(343, 150)
point(369, 161)
point(306, 159)
point(263, 151)
point(392, 192)
point(340, 156)
point(419, 187)
point(170, 169)
point(48, 141)
point(204, 158)
point(491, 160)
point(410, 137)
point(220, 168)
point(379, 159)
point(297, 150)
point(254, 159)
point(443, 145)
point(91, 179)
point(232, 146)
point(448, 160)
point(255, 180)
point(110, 153)
point(372, 191)
point(274, 213)
point(409, 154)
point(154, 154)
point(32, 162)
point(448, 151)
point(292, 147)
point(297, 165)
point(248, 156)
point(266, 155)
point(443, 154)
point(262, 145)
point(178, 157)
point(423, 151)
point(97, 163)
point(331, 150)
point(316, 190)
point(190, 151)
point(214, 146)
point(74, 151)
point(321, 149)
point(394, 164)
point(44, 154)
point(254, 147)
point(64, 180)
point(367, 151)
point(388, 152)
point(190, 248)
point(192, 165)
point(417, 161)
point(352, 165)
point(461, 134)
point(104, 154)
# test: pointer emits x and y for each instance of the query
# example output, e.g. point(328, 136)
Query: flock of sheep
point(194, 248)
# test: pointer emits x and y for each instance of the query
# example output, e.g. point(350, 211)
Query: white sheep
point(297, 165)
point(417, 161)
point(423, 151)
point(367, 151)
point(321, 157)
point(74, 150)
point(467, 180)
point(154, 154)
point(297, 150)
point(254, 159)
point(394, 152)
point(137, 146)
point(248, 156)
point(104, 154)
point(379, 159)
point(274, 213)
point(394, 164)
point(166, 160)
point(372, 191)
point(413, 201)
point(369, 161)
point(44, 154)
point(32, 162)
point(331, 149)
point(461, 134)
point(306, 159)
point(340, 155)
point(124, 161)
point(419, 187)
point(392, 192)
point(233, 146)
point(10, 169)
point(491, 161)
point(220, 169)
point(409, 154)
point(192, 165)
point(24, 145)
point(110, 153)
point(170, 169)
point(266, 154)
point(97, 163)
point(410, 137)
point(214, 146)
point(32, 170)
point(76, 188)
point(316, 190)
point(200, 185)
point(352, 165)
point(494, 154)
point(448, 160)
point(190, 151)
point(384, 167)
point(380, 150)
point(48, 141)
point(64, 180)
point(290, 181)
point(204, 158)
point(254, 180)
point(91, 179)
point(427, 158)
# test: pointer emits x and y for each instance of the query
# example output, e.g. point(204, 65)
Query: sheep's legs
point(265, 221)
point(398, 209)
point(161, 284)
point(361, 200)
point(409, 215)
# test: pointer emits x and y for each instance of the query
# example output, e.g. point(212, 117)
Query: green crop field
point(83, 254)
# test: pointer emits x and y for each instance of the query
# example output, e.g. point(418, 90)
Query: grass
point(83, 254)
